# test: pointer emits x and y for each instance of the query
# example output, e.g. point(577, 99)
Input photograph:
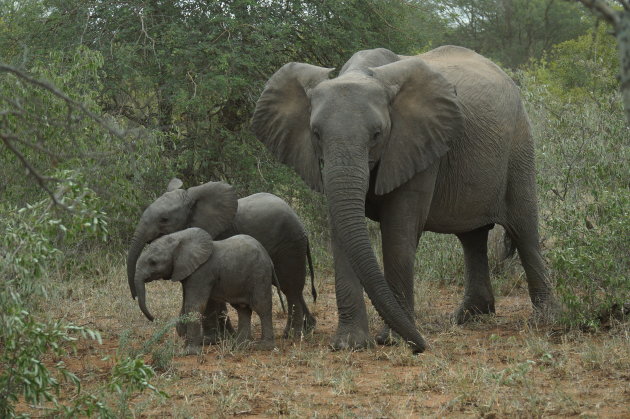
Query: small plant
point(25, 341)
point(514, 375)
point(344, 382)
point(129, 376)
point(30, 249)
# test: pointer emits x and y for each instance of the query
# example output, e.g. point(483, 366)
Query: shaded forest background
point(151, 89)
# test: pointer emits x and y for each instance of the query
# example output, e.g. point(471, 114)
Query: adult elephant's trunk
point(346, 186)
point(140, 289)
point(135, 249)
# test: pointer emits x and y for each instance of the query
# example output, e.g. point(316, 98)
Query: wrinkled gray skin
point(214, 207)
point(236, 270)
point(437, 142)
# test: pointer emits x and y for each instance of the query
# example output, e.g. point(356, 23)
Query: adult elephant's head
point(397, 118)
point(211, 206)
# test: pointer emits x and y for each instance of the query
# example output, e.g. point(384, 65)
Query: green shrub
point(582, 145)
point(30, 249)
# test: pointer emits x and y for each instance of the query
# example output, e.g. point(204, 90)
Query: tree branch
point(69, 101)
point(10, 140)
point(603, 9)
point(39, 178)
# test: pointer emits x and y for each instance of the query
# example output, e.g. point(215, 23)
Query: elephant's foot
point(191, 349)
point(387, 337)
point(214, 333)
point(309, 323)
point(472, 308)
point(243, 338)
point(292, 330)
point(181, 329)
point(299, 328)
point(547, 310)
point(263, 345)
point(213, 337)
point(351, 339)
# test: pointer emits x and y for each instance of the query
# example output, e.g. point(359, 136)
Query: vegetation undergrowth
point(583, 153)
point(173, 85)
point(32, 345)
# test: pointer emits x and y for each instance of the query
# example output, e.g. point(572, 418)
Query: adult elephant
point(436, 142)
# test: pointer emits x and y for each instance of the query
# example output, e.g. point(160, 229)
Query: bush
point(582, 146)
point(30, 249)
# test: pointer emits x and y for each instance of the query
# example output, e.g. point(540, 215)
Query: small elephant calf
point(236, 270)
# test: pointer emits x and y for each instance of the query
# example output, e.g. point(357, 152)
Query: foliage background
point(180, 80)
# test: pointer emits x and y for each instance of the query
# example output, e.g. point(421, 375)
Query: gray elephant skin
point(215, 207)
point(236, 270)
point(436, 142)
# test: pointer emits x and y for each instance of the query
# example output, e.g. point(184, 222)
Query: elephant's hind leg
point(478, 295)
point(525, 235)
point(290, 265)
point(244, 329)
point(264, 311)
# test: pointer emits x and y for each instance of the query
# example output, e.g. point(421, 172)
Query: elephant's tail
point(310, 267)
point(509, 247)
point(277, 284)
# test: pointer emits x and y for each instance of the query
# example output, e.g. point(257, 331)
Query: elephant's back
point(497, 138)
point(270, 220)
point(240, 258)
point(479, 82)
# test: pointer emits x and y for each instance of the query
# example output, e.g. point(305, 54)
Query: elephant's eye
point(316, 133)
point(376, 136)
point(164, 220)
point(152, 262)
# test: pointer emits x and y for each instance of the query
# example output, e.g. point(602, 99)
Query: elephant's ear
point(282, 119)
point(213, 206)
point(425, 118)
point(174, 184)
point(194, 247)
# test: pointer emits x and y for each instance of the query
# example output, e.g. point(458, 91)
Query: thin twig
point(39, 178)
point(34, 146)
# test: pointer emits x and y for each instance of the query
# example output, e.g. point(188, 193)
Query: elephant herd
point(435, 142)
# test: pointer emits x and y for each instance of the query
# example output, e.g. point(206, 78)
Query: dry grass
point(496, 367)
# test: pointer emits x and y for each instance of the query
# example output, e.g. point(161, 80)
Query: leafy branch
point(620, 21)
point(11, 139)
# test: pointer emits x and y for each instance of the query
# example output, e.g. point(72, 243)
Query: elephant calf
point(236, 270)
point(215, 207)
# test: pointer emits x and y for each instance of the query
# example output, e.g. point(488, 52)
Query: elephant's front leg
point(194, 302)
point(352, 329)
point(216, 322)
point(399, 251)
point(402, 215)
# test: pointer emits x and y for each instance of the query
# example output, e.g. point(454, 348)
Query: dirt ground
point(498, 366)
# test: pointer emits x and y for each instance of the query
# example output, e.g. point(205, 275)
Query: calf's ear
point(194, 247)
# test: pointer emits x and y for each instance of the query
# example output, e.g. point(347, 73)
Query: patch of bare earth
point(498, 366)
